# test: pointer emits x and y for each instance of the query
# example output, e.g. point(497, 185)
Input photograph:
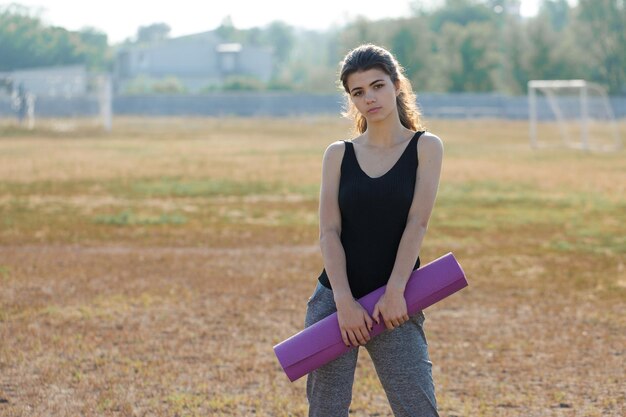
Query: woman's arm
point(430, 153)
point(330, 222)
point(353, 319)
point(392, 305)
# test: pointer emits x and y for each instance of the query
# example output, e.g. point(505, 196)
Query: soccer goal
point(61, 98)
point(571, 113)
point(82, 102)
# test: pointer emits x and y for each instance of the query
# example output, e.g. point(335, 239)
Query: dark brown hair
point(370, 56)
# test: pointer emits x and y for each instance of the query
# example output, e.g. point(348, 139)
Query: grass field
point(150, 271)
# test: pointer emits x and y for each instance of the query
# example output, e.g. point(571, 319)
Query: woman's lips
point(374, 110)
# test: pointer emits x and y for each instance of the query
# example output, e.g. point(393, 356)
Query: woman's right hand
point(354, 322)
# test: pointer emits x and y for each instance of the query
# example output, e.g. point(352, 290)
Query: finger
point(353, 338)
point(388, 324)
point(360, 337)
point(395, 322)
point(406, 317)
point(365, 334)
point(375, 314)
point(369, 322)
point(344, 336)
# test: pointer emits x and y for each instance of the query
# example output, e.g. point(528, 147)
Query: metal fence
point(461, 105)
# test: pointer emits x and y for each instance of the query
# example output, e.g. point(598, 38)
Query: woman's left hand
point(392, 307)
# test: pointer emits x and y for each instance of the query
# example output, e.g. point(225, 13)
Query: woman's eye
point(378, 85)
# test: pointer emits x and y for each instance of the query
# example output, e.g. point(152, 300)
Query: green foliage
point(461, 45)
point(472, 58)
point(242, 83)
point(460, 12)
point(513, 78)
point(138, 85)
point(168, 85)
point(146, 85)
point(360, 31)
point(602, 37)
point(210, 88)
point(557, 11)
point(403, 46)
point(227, 31)
point(25, 42)
point(313, 64)
point(94, 45)
point(552, 55)
point(479, 45)
point(279, 84)
point(280, 37)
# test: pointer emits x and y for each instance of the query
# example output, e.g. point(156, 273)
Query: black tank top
point(374, 212)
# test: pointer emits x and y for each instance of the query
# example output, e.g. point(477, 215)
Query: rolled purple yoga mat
point(321, 342)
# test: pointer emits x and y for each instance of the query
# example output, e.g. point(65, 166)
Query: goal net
point(84, 103)
point(61, 98)
point(571, 113)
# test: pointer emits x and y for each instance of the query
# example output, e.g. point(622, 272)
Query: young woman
point(377, 194)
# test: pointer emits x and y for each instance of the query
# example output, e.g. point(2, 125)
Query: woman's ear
point(397, 85)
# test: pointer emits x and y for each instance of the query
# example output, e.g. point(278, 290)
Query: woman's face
point(373, 93)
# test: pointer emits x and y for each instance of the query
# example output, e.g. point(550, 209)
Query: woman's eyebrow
point(372, 83)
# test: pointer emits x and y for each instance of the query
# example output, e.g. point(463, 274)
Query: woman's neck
point(385, 133)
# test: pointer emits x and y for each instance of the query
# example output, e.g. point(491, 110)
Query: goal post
point(104, 93)
point(16, 103)
point(571, 113)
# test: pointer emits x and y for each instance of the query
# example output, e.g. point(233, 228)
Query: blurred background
point(465, 58)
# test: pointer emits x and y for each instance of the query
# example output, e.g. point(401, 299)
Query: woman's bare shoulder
point(430, 143)
point(335, 150)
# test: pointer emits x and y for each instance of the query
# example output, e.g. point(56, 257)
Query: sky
point(121, 18)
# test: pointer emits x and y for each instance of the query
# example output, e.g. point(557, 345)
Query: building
point(198, 61)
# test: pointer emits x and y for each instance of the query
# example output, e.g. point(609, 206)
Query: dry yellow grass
point(150, 271)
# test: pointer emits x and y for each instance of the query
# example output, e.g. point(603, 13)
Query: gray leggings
point(400, 357)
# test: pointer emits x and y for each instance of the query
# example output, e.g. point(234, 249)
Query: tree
point(226, 30)
point(254, 36)
point(412, 43)
point(550, 55)
point(279, 36)
point(470, 56)
point(460, 12)
point(142, 84)
point(242, 83)
point(313, 62)
point(26, 43)
point(514, 78)
point(601, 30)
point(95, 48)
point(557, 12)
point(359, 31)
point(404, 47)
